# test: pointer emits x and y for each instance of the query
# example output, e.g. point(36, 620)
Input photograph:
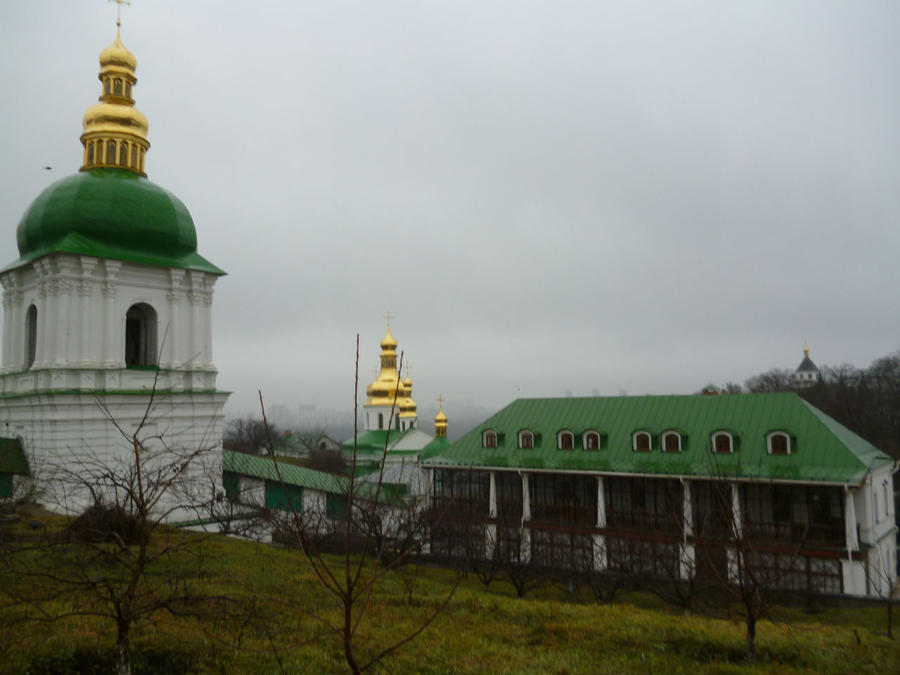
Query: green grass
point(481, 630)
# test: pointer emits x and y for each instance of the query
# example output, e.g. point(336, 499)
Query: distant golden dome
point(388, 342)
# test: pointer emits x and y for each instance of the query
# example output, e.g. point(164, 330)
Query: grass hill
point(254, 608)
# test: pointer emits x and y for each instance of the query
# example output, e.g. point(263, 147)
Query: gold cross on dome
point(440, 400)
point(408, 368)
point(119, 4)
point(389, 316)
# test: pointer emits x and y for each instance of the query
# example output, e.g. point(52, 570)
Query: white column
point(601, 502)
point(195, 297)
point(492, 509)
point(170, 356)
point(43, 324)
point(688, 510)
point(526, 498)
point(736, 512)
point(86, 350)
point(207, 326)
point(600, 557)
point(112, 325)
point(850, 522)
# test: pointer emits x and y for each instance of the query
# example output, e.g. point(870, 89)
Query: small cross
point(389, 316)
point(440, 400)
point(119, 4)
point(408, 367)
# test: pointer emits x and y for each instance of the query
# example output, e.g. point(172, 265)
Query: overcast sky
point(549, 197)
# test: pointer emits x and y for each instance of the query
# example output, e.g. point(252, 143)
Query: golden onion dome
point(109, 117)
point(115, 132)
point(440, 417)
point(117, 56)
point(388, 342)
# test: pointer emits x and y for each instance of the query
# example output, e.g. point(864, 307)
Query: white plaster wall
point(253, 491)
point(81, 303)
point(70, 437)
point(854, 573)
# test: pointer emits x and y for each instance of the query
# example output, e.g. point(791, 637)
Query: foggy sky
point(594, 197)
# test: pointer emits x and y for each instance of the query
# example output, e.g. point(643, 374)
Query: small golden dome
point(440, 417)
point(388, 341)
point(117, 55)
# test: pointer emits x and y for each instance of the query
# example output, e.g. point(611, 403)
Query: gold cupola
point(115, 132)
point(387, 386)
point(407, 405)
point(440, 423)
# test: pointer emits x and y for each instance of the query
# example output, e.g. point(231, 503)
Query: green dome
point(111, 213)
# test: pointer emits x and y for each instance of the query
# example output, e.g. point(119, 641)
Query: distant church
point(108, 301)
point(807, 373)
point(390, 416)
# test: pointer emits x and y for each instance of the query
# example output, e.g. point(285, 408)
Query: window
point(90, 153)
point(117, 87)
point(566, 440)
point(641, 441)
point(591, 440)
point(106, 85)
point(284, 497)
point(722, 443)
point(30, 336)
point(128, 89)
point(123, 154)
point(779, 443)
point(671, 441)
point(133, 156)
point(381, 420)
point(526, 440)
point(140, 335)
point(489, 439)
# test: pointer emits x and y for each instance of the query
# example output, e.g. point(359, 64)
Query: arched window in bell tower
point(30, 336)
point(123, 154)
point(90, 159)
point(117, 87)
point(140, 335)
point(110, 152)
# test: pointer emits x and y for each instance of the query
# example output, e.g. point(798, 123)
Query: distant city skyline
point(603, 197)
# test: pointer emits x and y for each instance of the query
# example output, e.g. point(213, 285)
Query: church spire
point(115, 132)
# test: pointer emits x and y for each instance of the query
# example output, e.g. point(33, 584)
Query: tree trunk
point(751, 640)
point(123, 647)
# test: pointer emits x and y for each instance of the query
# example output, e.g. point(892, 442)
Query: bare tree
point(249, 435)
point(116, 560)
point(364, 561)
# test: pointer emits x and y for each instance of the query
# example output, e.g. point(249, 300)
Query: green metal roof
point(259, 466)
point(821, 449)
point(437, 446)
point(372, 442)
point(110, 213)
point(12, 457)
point(263, 467)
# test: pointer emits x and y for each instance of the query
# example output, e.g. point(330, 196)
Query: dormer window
point(722, 443)
point(526, 440)
point(566, 440)
point(641, 441)
point(779, 443)
point(671, 441)
point(489, 439)
point(591, 440)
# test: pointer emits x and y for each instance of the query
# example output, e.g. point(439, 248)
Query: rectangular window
point(336, 507)
point(283, 497)
point(232, 484)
